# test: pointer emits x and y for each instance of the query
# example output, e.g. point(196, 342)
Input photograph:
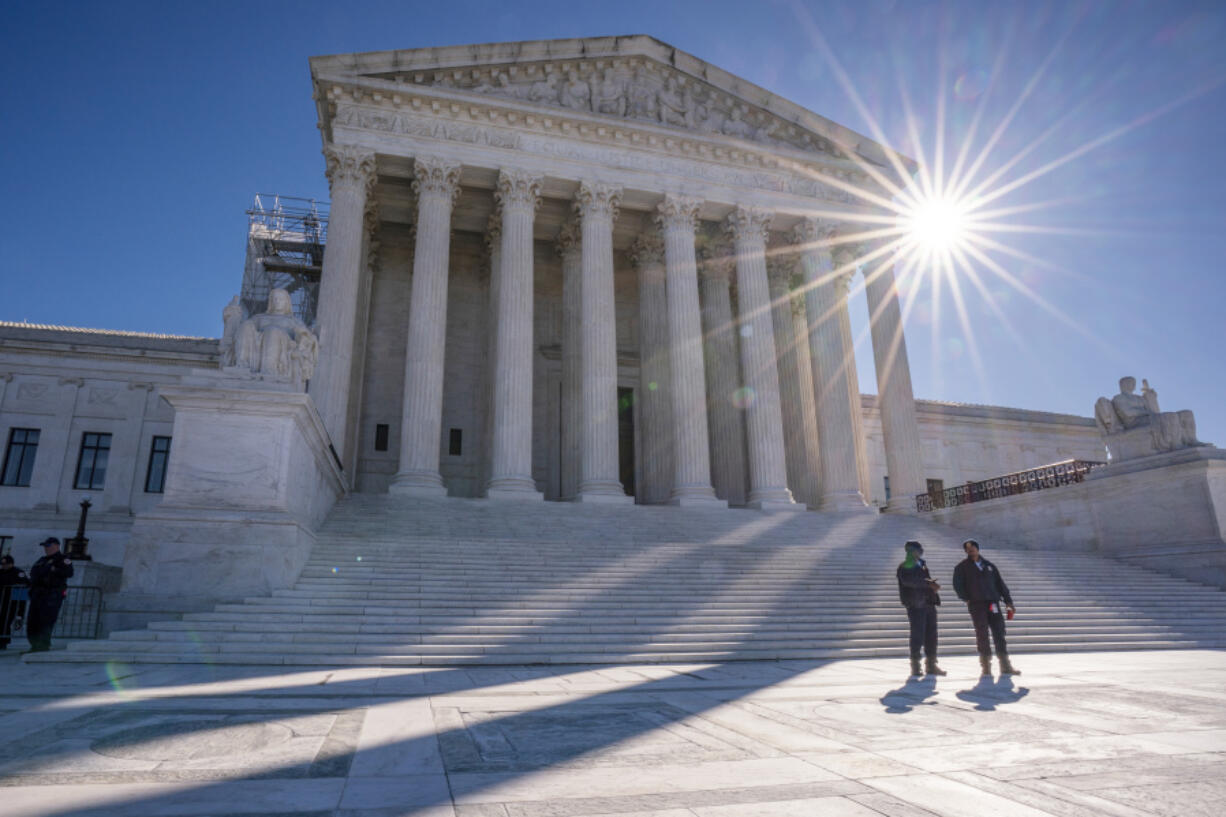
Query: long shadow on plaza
point(546, 737)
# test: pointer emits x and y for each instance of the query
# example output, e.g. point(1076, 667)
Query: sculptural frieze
point(1132, 425)
point(640, 91)
point(275, 345)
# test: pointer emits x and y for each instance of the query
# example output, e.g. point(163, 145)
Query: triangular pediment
point(631, 79)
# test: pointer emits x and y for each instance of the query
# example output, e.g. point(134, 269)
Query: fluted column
point(351, 176)
point(596, 206)
point(895, 398)
point(691, 459)
point(518, 194)
point(768, 479)
point(493, 246)
point(570, 248)
point(436, 183)
point(832, 360)
point(799, 425)
point(724, 395)
point(846, 257)
point(804, 373)
point(654, 397)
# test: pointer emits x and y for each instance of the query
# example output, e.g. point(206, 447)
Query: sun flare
point(938, 224)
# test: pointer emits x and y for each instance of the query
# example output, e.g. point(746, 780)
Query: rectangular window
point(91, 465)
point(887, 488)
point(454, 444)
point(19, 457)
point(159, 455)
point(935, 486)
point(381, 437)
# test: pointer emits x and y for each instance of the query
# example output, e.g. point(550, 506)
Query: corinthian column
point(691, 460)
point(895, 398)
point(569, 247)
point(723, 373)
point(832, 360)
point(596, 206)
point(845, 258)
point(493, 246)
point(655, 409)
point(351, 176)
point(511, 474)
point(437, 184)
point(799, 418)
point(768, 479)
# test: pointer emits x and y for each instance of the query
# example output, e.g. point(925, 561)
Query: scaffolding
point(285, 250)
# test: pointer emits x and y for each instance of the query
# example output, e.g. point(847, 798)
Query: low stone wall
point(1166, 512)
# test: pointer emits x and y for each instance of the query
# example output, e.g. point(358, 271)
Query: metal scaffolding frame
point(285, 250)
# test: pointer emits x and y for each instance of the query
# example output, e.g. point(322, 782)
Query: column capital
point(517, 188)
point(433, 176)
point(678, 212)
point(648, 249)
point(811, 231)
point(846, 254)
point(749, 224)
point(570, 238)
point(718, 259)
point(598, 200)
point(346, 165)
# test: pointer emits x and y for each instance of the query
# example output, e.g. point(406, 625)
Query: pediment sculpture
point(275, 344)
point(1133, 426)
point(643, 91)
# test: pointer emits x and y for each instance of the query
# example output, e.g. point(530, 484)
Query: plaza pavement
point(1080, 734)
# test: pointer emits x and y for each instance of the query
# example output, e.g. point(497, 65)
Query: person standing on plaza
point(48, 584)
point(11, 609)
point(917, 591)
point(978, 583)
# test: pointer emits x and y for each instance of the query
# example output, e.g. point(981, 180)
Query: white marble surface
point(1112, 734)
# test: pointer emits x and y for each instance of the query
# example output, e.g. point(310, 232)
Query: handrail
point(1066, 472)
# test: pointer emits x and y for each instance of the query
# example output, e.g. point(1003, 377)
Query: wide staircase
point(394, 581)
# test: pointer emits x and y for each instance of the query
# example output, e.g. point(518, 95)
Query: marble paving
point(1079, 735)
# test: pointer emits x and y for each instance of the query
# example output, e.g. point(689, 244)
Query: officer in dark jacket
point(48, 583)
point(11, 609)
point(978, 583)
point(917, 591)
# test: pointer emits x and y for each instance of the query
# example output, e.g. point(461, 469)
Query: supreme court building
point(595, 270)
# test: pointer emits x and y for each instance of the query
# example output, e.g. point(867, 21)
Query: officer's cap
point(50, 540)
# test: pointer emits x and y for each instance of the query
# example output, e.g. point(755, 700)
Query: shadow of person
point(988, 694)
point(916, 691)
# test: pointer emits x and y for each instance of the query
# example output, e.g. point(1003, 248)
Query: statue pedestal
point(250, 479)
point(1165, 511)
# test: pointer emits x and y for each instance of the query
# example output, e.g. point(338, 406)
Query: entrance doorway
point(625, 438)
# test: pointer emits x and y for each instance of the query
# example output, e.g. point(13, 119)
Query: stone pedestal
point(1166, 512)
point(250, 480)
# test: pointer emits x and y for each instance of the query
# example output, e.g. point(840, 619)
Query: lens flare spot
point(336, 570)
point(359, 558)
point(970, 84)
point(652, 386)
point(743, 397)
point(954, 348)
point(747, 331)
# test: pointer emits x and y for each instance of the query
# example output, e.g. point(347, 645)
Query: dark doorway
point(625, 438)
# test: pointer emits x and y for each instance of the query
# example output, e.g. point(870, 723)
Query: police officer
point(11, 609)
point(917, 591)
point(48, 583)
point(978, 583)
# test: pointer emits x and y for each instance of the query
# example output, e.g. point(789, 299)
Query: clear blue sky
point(134, 135)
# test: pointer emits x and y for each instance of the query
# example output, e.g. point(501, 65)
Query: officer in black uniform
point(11, 609)
point(48, 583)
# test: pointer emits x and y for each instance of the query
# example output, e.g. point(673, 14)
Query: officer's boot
point(985, 665)
point(915, 665)
point(1006, 667)
point(933, 669)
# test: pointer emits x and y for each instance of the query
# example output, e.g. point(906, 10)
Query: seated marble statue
point(1132, 425)
point(275, 344)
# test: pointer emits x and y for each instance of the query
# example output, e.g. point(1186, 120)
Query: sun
point(937, 223)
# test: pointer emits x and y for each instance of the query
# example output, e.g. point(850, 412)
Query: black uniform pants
point(923, 631)
point(9, 610)
point(44, 610)
point(984, 619)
